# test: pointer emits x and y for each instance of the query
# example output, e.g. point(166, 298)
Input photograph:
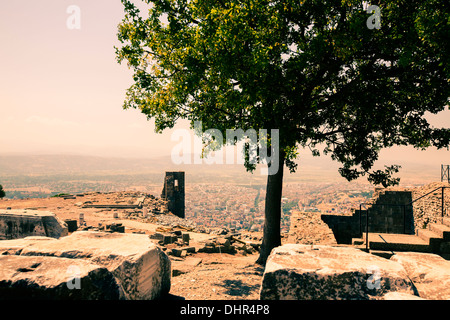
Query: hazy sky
point(61, 90)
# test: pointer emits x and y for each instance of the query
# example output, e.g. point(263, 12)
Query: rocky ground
point(217, 277)
point(214, 264)
point(196, 276)
point(221, 268)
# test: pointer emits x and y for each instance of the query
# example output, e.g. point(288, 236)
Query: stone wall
point(308, 228)
point(16, 224)
point(388, 213)
point(428, 209)
point(345, 227)
point(174, 193)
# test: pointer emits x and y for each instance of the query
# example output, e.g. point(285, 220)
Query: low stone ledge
point(319, 272)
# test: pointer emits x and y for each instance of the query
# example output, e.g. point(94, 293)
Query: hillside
point(309, 168)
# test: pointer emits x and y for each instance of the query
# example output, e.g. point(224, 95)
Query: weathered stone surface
point(401, 296)
point(51, 278)
point(308, 228)
point(15, 247)
point(185, 266)
point(16, 224)
point(430, 273)
point(320, 272)
point(140, 267)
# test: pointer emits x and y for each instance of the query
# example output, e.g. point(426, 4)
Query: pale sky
point(61, 90)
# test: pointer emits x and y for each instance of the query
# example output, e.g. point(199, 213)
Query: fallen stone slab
point(141, 268)
point(430, 273)
point(51, 278)
point(320, 272)
point(177, 252)
point(16, 224)
point(157, 236)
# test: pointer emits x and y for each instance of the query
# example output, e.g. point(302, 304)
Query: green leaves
point(311, 69)
point(2, 192)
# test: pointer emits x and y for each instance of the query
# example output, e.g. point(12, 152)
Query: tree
point(314, 70)
point(2, 193)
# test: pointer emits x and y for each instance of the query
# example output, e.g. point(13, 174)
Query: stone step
point(433, 239)
point(382, 254)
point(358, 241)
point(426, 235)
point(442, 230)
point(445, 248)
point(397, 242)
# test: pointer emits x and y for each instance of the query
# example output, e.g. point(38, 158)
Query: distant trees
point(2, 193)
point(288, 206)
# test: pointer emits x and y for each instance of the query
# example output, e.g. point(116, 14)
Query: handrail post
point(442, 205)
point(367, 229)
point(360, 218)
point(404, 219)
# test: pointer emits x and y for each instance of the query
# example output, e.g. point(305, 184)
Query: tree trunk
point(272, 213)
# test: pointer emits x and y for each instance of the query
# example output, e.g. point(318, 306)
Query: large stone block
point(320, 272)
point(15, 247)
point(401, 296)
point(430, 273)
point(51, 278)
point(141, 268)
point(16, 224)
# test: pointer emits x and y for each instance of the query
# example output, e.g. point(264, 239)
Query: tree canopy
point(311, 69)
point(2, 192)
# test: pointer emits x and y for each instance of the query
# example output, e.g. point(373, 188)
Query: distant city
point(215, 197)
point(211, 204)
point(242, 207)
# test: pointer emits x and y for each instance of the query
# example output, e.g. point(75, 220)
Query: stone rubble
point(176, 242)
point(179, 239)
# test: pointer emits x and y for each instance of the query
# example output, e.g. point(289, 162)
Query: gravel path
point(219, 277)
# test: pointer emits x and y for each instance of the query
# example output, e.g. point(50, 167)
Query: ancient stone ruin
point(403, 219)
point(386, 215)
point(85, 265)
point(173, 192)
point(16, 224)
point(42, 257)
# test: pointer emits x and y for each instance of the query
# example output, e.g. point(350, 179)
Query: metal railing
point(445, 173)
point(404, 210)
